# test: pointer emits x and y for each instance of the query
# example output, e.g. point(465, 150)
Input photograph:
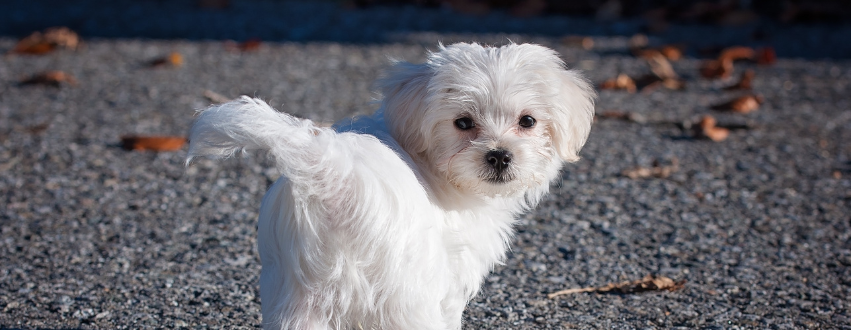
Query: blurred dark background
point(709, 12)
point(809, 29)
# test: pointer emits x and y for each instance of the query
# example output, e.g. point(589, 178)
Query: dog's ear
point(404, 88)
point(573, 113)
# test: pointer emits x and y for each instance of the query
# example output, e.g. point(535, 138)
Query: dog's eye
point(464, 123)
point(527, 121)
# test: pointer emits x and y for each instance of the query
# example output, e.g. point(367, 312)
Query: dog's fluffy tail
point(246, 124)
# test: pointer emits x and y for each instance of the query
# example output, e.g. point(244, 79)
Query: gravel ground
point(97, 237)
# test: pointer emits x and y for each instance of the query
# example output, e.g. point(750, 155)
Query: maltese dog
point(392, 221)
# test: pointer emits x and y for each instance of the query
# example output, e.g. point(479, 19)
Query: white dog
point(392, 221)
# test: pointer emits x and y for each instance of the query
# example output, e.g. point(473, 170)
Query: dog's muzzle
point(499, 161)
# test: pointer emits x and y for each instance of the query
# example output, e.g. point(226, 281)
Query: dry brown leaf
point(766, 56)
point(174, 59)
point(736, 53)
point(650, 82)
point(152, 143)
point(245, 46)
point(628, 116)
point(33, 48)
point(39, 43)
point(648, 283)
point(250, 45)
point(707, 122)
point(215, 97)
point(723, 66)
point(62, 37)
point(713, 69)
point(746, 104)
point(39, 128)
point(51, 78)
point(622, 81)
point(661, 67)
point(674, 84)
point(707, 129)
point(742, 104)
point(671, 52)
point(744, 82)
point(580, 41)
point(663, 73)
point(657, 171)
point(716, 134)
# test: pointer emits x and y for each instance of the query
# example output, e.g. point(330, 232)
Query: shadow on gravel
point(331, 21)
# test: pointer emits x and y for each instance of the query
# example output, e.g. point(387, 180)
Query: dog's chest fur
point(476, 241)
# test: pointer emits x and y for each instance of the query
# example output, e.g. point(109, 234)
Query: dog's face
point(489, 121)
point(490, 142)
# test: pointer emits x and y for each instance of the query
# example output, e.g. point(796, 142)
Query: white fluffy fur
point(390, 222)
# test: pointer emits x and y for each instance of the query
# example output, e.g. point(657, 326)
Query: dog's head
point(493, 121)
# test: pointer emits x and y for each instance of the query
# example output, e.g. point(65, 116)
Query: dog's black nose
point(499, 159)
